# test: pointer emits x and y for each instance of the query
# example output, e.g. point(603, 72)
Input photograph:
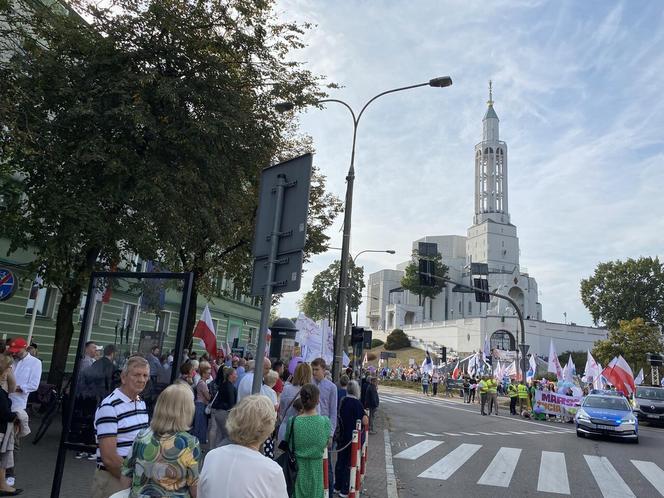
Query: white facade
point(454, 319)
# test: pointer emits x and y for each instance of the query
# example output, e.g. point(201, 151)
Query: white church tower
point(492, 238)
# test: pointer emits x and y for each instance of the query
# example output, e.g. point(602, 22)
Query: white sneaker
point(10, 481)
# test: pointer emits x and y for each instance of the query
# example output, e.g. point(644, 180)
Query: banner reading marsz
point(557, 404)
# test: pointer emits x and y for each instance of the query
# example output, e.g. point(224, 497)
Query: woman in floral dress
point(165, 458)
point(310, 437)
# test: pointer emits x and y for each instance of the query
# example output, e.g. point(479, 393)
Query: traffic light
point(655, 359)
point(356, 335)
point(367, 338)
point(481, 283)
point(443, 354)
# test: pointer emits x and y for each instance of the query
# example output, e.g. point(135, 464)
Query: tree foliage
point(397, 339)
point(578, 357)
point(411, 278)
point(321, 301)
point(632, 339)
point(624, 290)
point(145, 131)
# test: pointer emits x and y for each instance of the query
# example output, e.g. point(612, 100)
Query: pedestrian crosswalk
point(553, 468)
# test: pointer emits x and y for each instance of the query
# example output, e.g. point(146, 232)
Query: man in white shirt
point(244, 388)
point(27, 371)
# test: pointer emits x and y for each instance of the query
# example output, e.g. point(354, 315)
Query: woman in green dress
point(310, 437)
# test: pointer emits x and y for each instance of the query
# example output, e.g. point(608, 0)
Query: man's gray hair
point(353, 388)
point(133, 362)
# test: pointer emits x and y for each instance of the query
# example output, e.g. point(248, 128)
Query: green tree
point(578, 357)
point(397, 339)
point(624, 290)
point(321, 301)
point(411, 278)
point(145, 131)
point(632, 339)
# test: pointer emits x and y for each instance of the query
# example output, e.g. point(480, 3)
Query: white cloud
point(578, 91)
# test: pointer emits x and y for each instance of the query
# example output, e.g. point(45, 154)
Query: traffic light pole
point(500, 296)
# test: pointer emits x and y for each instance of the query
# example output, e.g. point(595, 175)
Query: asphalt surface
point(444, 447)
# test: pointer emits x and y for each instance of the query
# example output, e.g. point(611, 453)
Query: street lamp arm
point(350, 109)
point(359, 116)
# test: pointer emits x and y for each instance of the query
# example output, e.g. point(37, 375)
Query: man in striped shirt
point(119, 418)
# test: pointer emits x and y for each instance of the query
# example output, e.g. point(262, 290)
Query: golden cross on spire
point(490, 101)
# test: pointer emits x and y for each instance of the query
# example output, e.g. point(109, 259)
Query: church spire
point(490, 121)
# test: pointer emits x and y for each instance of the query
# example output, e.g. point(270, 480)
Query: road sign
point(287, 274)
point(524, 349)
point(295, 206)
point(387, 354)
point(8, 284)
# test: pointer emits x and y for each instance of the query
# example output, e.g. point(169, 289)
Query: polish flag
point(205, 332)
point(456, 372)
point(619, 374)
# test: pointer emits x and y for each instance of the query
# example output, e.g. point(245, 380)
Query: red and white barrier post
point(352, 490)
point(326, 476)
point(358, 461)
point(365, 445)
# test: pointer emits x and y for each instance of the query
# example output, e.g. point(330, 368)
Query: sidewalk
point(376, 479)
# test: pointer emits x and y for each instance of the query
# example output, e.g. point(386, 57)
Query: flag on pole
point(487, 347)
point(511, 370)
point(532, 370)
point(592, 370)
point(619, 374)
point(498, 372)
point(427, 364)
point(205, 332)
point(639, 378)
point(554, 363)
point(365, 360)
point(570, 370)
point(456, 372)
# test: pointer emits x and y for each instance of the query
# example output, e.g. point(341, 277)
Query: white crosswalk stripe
point(415, 452)
point(500, 470)
point(653, 473)
point(609, 481)
point(553, 473)
point(450, 463)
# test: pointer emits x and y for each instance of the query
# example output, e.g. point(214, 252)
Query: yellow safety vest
point(492, 386)
point(511, 391)
point(523, 391)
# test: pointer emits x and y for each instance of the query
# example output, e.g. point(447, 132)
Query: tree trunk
point(64, 330)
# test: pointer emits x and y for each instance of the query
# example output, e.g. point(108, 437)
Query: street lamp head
point(440, 82)
point(284, 106)
point(391, 251)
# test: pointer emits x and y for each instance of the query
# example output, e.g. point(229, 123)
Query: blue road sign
point(8, 284)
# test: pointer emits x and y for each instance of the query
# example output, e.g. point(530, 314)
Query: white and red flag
point(639, 378)
point(554, 364)
point(204, 331)
point(456, 372)
point(619, 374)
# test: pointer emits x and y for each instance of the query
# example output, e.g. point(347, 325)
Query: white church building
point(454, 319)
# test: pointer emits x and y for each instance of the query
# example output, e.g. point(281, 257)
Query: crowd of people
point(207, 435)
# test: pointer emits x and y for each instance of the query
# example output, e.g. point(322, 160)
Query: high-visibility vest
point(523, 391)
point(492, 386)
point(483, 386)
point(512, 391)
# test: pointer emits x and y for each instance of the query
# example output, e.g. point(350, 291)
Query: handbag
point(288, 462)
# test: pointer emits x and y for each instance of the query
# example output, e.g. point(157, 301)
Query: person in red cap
point(27, 371)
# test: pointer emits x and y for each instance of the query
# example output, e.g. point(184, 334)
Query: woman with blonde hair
point(164, 458)
point(303, 375)
point(239, 469)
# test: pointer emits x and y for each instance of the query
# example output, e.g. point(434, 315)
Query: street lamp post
point(340, 325)
point(354, 258)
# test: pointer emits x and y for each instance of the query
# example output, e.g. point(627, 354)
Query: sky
point(578, 88)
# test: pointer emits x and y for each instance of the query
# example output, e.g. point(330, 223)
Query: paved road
point(446, 448)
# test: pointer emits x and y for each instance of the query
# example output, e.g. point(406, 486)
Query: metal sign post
point(279, 239)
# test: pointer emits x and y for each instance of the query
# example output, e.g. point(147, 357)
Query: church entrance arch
point(504, 340)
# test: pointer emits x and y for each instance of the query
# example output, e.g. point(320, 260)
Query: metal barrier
point(358, 461)
point(352, 490)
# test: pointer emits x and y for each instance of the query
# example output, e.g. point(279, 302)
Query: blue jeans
point(200, 428)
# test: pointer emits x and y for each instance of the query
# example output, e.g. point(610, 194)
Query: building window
point(128, 317)
point(44, 300)
point(97, 314)
point(252, 335)
point(215, 324)
point(460, 308)
point(470, 307)
point(502, 339)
